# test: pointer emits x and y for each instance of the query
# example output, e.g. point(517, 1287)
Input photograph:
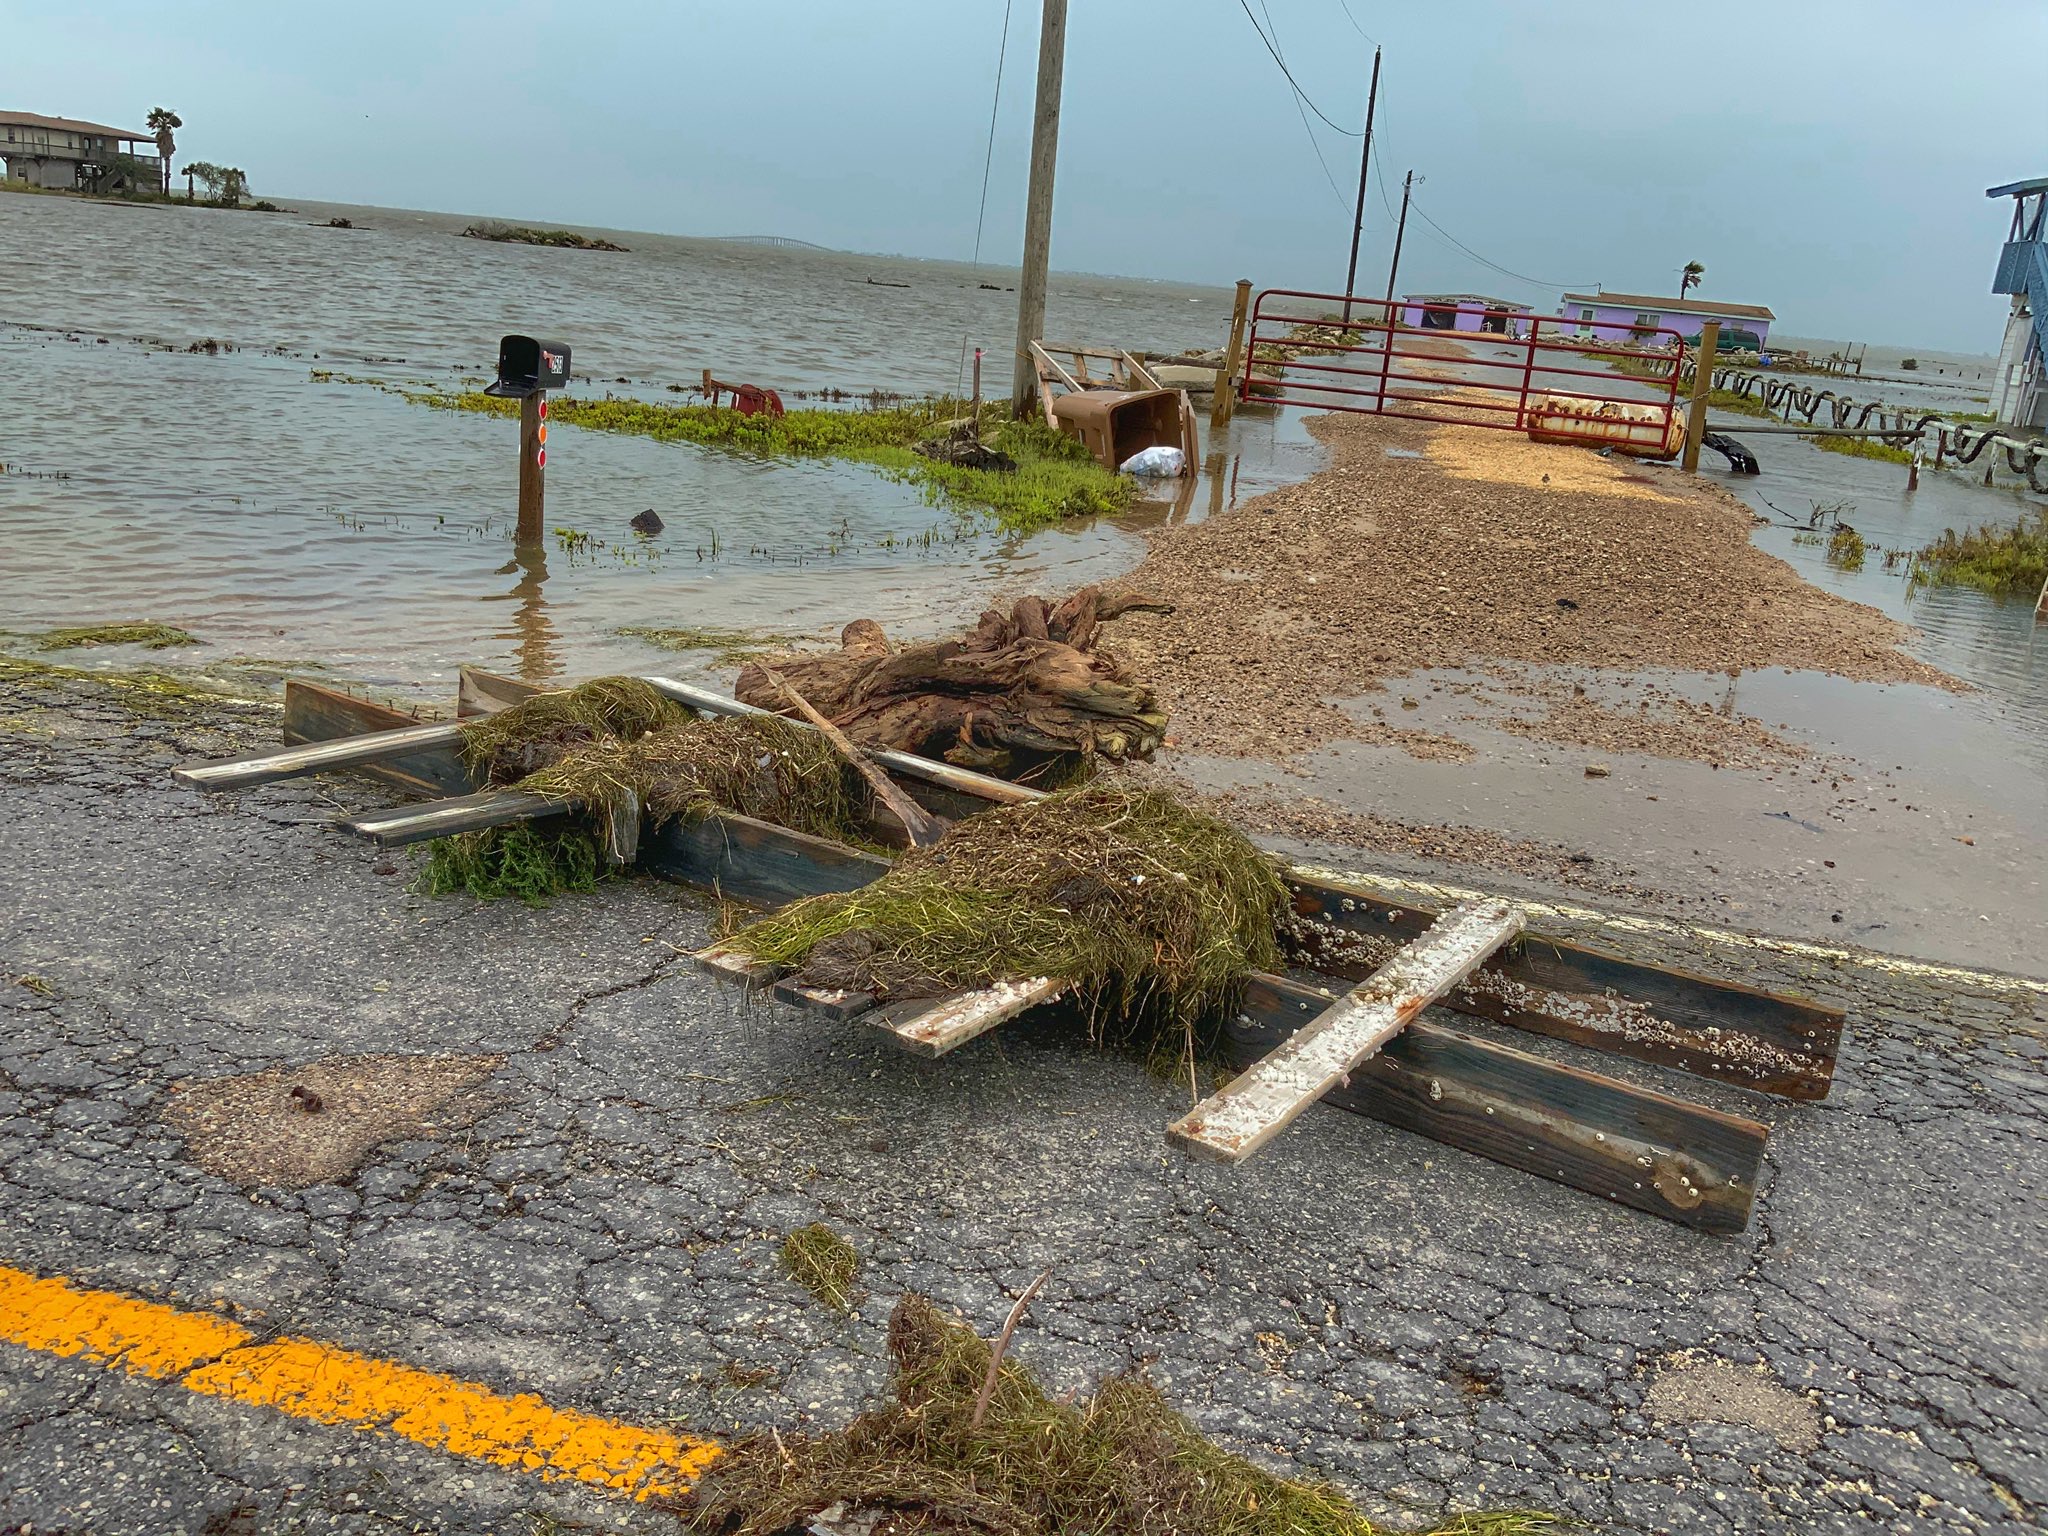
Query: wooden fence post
point(1225, 399)
point(533, 458)
point(1702, 386)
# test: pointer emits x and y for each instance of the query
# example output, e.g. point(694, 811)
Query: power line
point(1354, 24)
point(989, 160)
point(1353, 133)
point(1493, 265)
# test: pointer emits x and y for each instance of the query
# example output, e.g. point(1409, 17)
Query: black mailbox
point(526, 367)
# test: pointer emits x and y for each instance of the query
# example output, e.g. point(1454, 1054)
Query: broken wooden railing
point(1371, 1050)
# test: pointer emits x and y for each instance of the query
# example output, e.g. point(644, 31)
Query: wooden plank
point(419, 823)
point(1721, 1030)
point(1233, 1123)
point(934, 1028)
point(834, 1002)
point(741, 970)
point(1675, 1159)
point(314, 712)
point(1716, 1029)
point(319, 757)
point(753, 861)
point(478, 692)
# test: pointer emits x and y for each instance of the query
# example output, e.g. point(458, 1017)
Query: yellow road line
point(204, 1352)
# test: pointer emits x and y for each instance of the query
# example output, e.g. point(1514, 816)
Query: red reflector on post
point(543, 408)
point(540, 457)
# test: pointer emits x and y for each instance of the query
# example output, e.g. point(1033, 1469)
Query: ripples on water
point(278, 515)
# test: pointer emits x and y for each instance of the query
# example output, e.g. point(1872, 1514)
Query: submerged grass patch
point(1846, 548)
point(1054, 479)
point(1121, 1460)
point(2006, 562)
point(823, 1263)
point(726, 645)
point(1155, 911)
point(155, 637)
point(1863, 448)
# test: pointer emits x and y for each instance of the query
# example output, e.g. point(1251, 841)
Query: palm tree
point(1690, 277)
point(161, 121)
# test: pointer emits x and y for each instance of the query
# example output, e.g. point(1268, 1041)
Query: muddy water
point(266, 499)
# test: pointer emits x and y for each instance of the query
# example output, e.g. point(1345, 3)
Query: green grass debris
point(1154, 910)
point(823, 1263)
point(154, 637)
point(533, 864)
point(619, 737)
point(1054, 479)
point(2010, 561)
point(1119, 1461)
point(505, 747)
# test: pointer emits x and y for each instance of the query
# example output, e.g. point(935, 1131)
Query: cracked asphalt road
point(1429, 1330)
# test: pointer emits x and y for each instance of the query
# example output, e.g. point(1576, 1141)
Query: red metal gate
point(1470, 364)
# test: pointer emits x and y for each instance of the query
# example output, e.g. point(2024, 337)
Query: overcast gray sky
point(1823, 157)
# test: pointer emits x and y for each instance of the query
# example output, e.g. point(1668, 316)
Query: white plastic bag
point(1160, 461)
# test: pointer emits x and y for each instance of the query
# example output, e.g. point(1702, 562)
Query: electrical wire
point(1353, 133)
point(989, 159)
point(1521, 277)
point(1346, 9)
point(987, 164)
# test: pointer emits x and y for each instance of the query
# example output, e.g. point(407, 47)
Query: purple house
point(1463, 312)
point(1635, 317)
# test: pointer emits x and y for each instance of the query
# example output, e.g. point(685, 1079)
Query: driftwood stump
point(1021, 692)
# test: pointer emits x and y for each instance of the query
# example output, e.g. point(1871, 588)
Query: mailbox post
point(527, 370)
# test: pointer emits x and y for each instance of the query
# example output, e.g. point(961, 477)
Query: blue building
point(2019, 390)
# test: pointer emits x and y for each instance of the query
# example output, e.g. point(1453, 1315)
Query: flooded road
point(269, 500)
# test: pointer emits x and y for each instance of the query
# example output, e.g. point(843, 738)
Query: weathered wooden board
point(932, 1027)
point(1262, 1101)
point(1672, 1158)
point(1716, 1029)
point(313, 713)
point(755, 862)
point(422, 821)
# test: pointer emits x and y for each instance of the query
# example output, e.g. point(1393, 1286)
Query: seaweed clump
point(823, 1263)
point(621, 748)
point(1035, 1465)
point(1155, 911)
point(154, 637)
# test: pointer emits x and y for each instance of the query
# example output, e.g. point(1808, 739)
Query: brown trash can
point(1113, 424)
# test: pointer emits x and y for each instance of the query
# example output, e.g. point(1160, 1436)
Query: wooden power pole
point(1045, 149)
point(1400, 229)
point(1372, 101)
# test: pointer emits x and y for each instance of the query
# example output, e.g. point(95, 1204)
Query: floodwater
point(272, 502)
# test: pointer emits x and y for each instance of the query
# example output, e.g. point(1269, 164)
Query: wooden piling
point(1702, 386)
point(1224, 402)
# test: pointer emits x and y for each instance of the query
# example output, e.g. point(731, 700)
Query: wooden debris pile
point(1023, 695)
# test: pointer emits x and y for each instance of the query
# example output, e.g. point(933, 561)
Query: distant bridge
point(782, 241)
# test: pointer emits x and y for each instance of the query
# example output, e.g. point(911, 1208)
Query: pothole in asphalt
point(289, 1127)
point(1688, 1389)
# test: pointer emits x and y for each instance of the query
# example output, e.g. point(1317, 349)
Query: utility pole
point(1045, 149)
point(1372, 101)
point(1400, 229)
